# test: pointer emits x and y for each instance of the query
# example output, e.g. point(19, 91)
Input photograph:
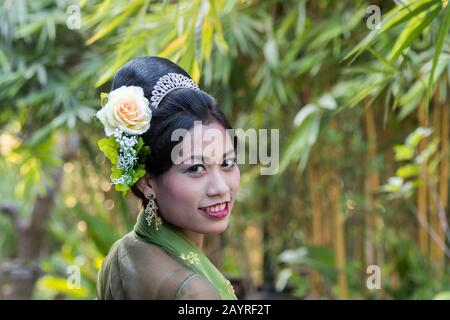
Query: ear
point(146, 185)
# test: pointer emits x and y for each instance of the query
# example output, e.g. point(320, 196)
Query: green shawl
point(177, 245)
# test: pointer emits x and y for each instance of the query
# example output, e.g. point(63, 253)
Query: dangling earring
point(151, 213)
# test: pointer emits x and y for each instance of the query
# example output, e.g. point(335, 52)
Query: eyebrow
point(201, 158)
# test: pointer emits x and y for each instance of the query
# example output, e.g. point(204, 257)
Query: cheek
point(182, 191)
point(234, 179)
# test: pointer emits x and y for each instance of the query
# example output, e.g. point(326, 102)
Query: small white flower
point(127, 109)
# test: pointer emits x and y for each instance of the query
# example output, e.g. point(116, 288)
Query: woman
point(185, 194)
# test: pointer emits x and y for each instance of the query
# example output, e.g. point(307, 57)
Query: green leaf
point(219, 36)
point(304, 137)
point(408, 171)
point(394, 185)
point(430, 149)
point(404, 13)
point(319, 258)
point(143, 154)
point(116, 22)
point(104, 98)
point(411, 32)
point(415, 94)
point(138, 173)
point(110, 148)
point(283, 278)
point(395, 17)
point(415, 137)
point(122, 187)
point(381, 58)
point(96, 121)
point(304, 113)
point(116, 173)
point(403, 152)
point(139, 144)
point(442, 35)
point(142, 150)
point(271, 53)
point(60, 285)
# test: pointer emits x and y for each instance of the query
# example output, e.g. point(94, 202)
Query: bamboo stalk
point(313, 184)
point(327, 231)
point(374, 222)
point(436, 254)
point(315, 202)
point(389, 172)
point(444, 168)
point(335, 195)
point(422, 190)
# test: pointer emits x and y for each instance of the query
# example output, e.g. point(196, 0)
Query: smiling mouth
point(217, 211)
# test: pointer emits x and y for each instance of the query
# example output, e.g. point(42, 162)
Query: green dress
point(159, 264)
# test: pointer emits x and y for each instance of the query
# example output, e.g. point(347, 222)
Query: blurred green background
point(358, 89)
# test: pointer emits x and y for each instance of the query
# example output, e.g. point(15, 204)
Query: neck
point(195, 237)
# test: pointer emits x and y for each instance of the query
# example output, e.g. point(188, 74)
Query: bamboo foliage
point(271, 64)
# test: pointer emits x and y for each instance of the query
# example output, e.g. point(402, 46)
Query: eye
point(229, 163)
point(196, 169)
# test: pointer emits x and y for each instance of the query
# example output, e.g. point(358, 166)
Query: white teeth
point(216, 208)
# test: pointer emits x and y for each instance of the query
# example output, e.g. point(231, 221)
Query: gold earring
point(151, 213)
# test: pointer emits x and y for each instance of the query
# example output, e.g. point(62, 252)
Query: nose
point(217, 185)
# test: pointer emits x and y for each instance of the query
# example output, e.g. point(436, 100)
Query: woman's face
point(186, 192)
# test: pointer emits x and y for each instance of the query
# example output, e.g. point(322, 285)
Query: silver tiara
point(169, 82)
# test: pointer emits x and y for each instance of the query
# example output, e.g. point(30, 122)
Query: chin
point(217, 228)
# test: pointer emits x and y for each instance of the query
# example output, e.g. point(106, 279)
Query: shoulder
point(109, 285)
point(146, 271)
point(196, 287)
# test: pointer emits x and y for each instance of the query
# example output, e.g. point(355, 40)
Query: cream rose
point(127, 109)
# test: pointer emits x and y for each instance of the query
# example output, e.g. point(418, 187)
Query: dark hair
point(178, 109)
